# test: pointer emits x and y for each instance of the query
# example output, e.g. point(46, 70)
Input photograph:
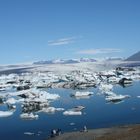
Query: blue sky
point(32, 30)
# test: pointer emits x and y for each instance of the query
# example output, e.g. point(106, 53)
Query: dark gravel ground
point(130, 132)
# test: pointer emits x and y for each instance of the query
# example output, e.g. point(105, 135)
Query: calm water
point(98, 113)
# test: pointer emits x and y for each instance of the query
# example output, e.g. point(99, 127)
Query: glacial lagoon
point(97, 113)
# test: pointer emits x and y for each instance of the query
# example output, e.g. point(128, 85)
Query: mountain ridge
point(65, 61)
point(134, 57)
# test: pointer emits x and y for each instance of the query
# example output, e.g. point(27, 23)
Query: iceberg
point(44, 95)
point(78, 108)
point(11, 101)
point(105, 87)
point(80, 94)
point(28, 116)
point(70, 112)
point(6, 113)
point(116, 97)
point(28, 133)
point(74, 111)
point(52, 109)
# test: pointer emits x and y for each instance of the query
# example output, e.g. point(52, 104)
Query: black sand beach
point(127, 132)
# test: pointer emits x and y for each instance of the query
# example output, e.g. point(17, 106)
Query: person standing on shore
point(85, 129)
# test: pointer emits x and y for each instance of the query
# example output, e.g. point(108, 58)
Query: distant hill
point(134, 57)
point(65, 61)
point(114, 59)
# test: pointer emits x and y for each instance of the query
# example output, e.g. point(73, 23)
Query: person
point(53, 133)
point(58, 132)
point(85, 129)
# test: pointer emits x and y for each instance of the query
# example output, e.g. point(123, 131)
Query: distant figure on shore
point(56, 132)
point(53, 133)
point(85, 129)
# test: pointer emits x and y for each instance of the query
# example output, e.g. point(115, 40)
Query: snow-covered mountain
point(65, 61)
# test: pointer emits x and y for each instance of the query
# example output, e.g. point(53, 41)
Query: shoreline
point(123, 132)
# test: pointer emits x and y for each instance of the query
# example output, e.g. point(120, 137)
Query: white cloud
point(62, 41)
point(100, 51)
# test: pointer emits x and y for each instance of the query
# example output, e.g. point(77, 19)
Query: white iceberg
point(70, 112)
point(11, 101)
point(52, 109)
point(28, 133)
point(74, 111)
point(44, 95)
point(78, 108)
point(117, 97)
point(6, 113)
point(81, 94)
point(28, 116)
point(105, 87)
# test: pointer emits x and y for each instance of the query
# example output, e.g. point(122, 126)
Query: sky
point(33, 30)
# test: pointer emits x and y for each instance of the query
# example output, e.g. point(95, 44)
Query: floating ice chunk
point(126, 81)
point(117, 97)
point(17, 93)
point(28, 116)
point(60, 109)
point(105, 87)
point(52, 109)
point(20, 100)
point(138, 96)
point(72, 123)
point(6, 113)
point(28, 133)
point(113, 79)
point(78, 108)
point(11, 101)
point(81, 97)
point(74, 111)
point(109, 93)
point(51, 96)
point(45, 95)
point(70, 112)
point(80, 94)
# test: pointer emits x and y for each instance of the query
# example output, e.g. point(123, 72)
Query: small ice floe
point(28, 116)
point(11, 101)
point(125, 81)
point(105, 87)
point(82, 94)
point(78, 108)
point(6, 113)
point(39, 133)
point(44, 95)
point(29, 133)
point(71, 112)
point(113, 79)
point(115, 98)
point(72, 123)
point(109, 93)
point(52, 109)
point(74, 111)
point(138, 96)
